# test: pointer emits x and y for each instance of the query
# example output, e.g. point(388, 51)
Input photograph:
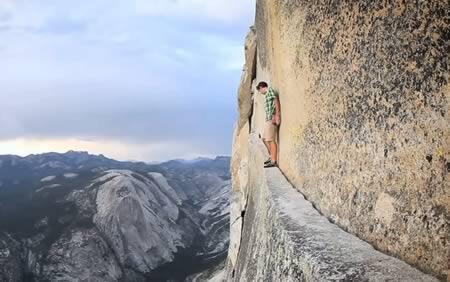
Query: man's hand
point(276, 119)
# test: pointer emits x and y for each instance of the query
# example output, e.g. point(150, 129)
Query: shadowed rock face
point(12, 269)
point(365, 128)
point(81, 254)
point(119, 221)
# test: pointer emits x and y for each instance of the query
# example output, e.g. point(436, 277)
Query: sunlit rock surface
point(283, 238)
point(138, 219)
point(364, 136)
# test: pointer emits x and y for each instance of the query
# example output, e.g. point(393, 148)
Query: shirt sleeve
point(275, 93)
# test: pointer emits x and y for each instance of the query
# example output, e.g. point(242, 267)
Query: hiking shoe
point(270, 164)
point(268, 161)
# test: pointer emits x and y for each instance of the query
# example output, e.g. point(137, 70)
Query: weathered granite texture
point(285, 239)
point(10, 258)
point(365, 128)
point(80, 217)
point(82, 255)
point(248, 74)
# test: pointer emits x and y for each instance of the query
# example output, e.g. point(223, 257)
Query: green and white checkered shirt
point(269, 104)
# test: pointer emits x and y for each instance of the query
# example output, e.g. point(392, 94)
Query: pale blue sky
point(132, 79)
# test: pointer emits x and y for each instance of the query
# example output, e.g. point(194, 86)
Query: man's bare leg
point(273, 151)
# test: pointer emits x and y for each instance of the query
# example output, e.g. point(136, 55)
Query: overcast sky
point(131, 79)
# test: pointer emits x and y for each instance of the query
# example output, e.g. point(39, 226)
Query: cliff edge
point(362, 190)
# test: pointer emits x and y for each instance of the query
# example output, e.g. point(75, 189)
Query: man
point(273, 119)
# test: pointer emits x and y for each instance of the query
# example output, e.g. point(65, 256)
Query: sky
point(146, 80)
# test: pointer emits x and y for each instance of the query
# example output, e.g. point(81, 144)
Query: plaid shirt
point(269, 104)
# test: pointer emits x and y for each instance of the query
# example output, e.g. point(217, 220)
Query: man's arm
point(277, 116)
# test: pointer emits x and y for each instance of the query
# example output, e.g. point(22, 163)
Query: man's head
point(262, 87)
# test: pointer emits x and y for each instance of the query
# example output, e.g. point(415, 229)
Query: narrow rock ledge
point(285, 239)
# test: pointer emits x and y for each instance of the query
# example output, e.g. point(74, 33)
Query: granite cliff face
point(78, 217)
point(364, 137)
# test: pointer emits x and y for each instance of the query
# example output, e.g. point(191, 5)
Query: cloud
point(6, 6)
point(114, 149)
point(117, 72)
point(225, 11)
point(229, 54)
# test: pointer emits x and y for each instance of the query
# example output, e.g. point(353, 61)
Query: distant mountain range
point(76, 216)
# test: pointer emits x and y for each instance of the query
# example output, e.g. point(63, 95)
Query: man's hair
point(262, 84)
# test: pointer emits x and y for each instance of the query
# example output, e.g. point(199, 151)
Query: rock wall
point(285, 239)
point(365, 128)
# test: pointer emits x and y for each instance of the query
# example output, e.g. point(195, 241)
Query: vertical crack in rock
point(248, 74)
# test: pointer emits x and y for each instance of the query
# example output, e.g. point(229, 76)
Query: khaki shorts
point(270, 131)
